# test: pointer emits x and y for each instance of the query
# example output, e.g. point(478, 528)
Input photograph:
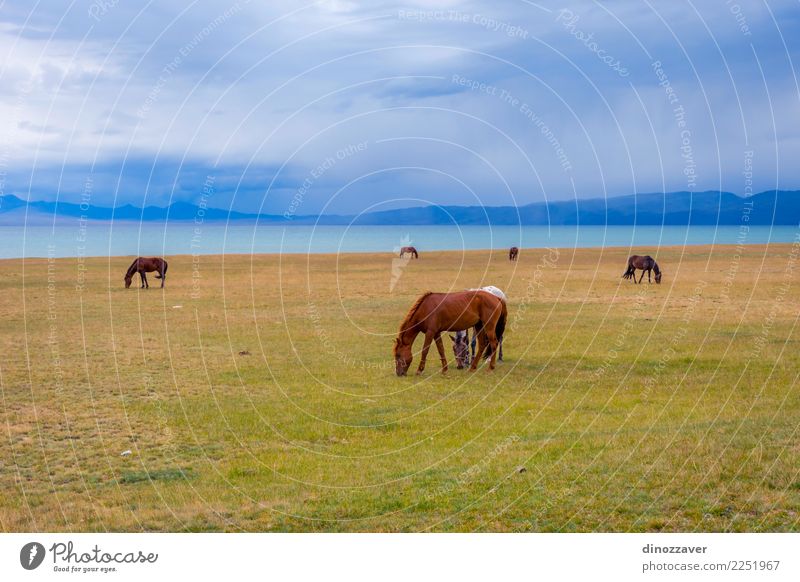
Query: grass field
point(259, 394)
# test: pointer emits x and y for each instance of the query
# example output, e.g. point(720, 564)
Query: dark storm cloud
point(473, 102)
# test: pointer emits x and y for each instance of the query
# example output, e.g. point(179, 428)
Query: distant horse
point(645, 263)
point(513, 253)
point(144, 265)
point(434, 313)
point(411, 250)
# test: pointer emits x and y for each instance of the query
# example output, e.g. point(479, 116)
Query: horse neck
point(132, 268)
point(407, 336)
point(656, 269)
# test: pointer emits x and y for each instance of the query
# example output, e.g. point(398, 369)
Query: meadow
point(258, 393)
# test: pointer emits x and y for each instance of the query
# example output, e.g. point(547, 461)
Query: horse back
point(149, 264)
point(458, 310)
point(641, 261)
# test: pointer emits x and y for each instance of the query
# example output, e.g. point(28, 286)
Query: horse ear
point(452, 337)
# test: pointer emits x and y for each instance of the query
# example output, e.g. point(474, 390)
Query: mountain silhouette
point(776, 207)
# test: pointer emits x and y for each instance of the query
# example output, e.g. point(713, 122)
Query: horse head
point(461, 349)
point(128, 280)
point(402, 357)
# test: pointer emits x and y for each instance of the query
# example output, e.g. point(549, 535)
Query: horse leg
point(440, 347)
point(475, 334)
point(426, 346)
point(642, 277)
point(481, 347)
point(648, 276)
point(492, 338)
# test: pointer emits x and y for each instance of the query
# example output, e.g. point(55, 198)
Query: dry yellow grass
point(258, 393)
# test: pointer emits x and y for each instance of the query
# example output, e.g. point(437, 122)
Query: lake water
point(118, 239)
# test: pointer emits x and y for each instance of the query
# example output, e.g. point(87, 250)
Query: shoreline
point(87, 241)
point(503, 251)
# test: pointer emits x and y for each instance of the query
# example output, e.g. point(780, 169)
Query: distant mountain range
point(779, 207)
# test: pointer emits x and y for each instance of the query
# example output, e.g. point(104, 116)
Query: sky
point(348, 107)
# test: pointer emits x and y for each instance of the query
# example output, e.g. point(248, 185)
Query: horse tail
point(164, 272)
point(500, 329)
point(627, 274)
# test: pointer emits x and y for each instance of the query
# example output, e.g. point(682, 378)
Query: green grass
point(630, 408)
point(155, 475)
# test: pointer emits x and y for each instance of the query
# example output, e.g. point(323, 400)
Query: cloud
point(470, 102)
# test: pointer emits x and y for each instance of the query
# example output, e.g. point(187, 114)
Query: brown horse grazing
point(513, 253)
point(645, 263)
point(434, 313)
point(144, 265)
point(411, 250)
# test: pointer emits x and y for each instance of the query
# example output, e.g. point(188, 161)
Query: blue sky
point(348, 107)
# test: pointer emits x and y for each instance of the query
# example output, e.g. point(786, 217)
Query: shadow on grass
point(129, 477)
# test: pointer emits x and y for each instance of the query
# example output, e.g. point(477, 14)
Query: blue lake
point(124, 238)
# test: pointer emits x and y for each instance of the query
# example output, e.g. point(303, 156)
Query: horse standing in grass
point(144, 265)
point(434, 313)
point(410, 250)
point(645, 263)
point(513, 253)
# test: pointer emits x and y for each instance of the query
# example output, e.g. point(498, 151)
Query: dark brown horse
point(434, 313)
point(411, 250)
point(646, 264)
point(144, 265)
point(513, 253)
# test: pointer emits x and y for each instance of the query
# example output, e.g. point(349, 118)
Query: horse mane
point(655, 268)
point(410, 315)
point(132, 268)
